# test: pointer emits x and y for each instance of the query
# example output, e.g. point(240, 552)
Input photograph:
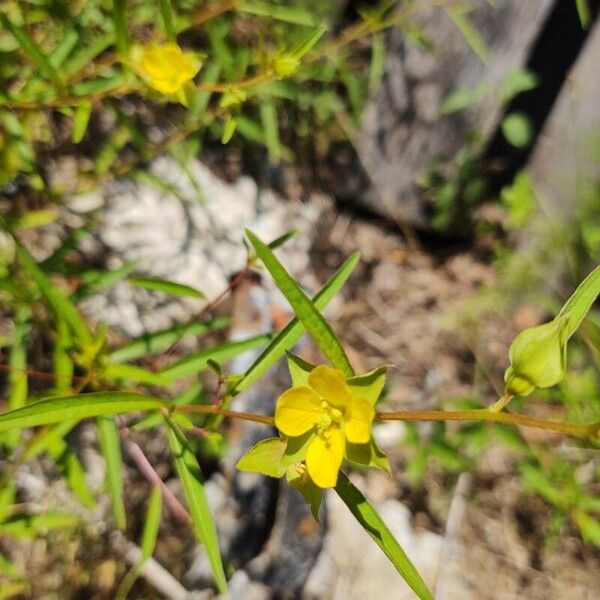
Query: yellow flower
point(328, 409)
point(165, 67)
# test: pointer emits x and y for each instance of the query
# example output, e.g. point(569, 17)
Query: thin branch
point(576, 429)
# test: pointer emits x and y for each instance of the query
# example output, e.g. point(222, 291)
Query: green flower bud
point(538, 358)
point(285, 64)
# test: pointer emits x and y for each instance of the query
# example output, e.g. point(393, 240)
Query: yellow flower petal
point(165, 67)
point(324, 457)
point(358, 421)
point(298, 410)
point(330, 384)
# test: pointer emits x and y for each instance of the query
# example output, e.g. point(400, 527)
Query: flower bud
point(538, 358)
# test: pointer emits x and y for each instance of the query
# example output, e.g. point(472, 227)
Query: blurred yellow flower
point(328, 407)
point(165, 67)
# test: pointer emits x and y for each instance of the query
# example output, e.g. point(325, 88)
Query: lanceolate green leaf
point(60, 304)
point(579, 304)
point(17, 396)
point(167, 287)
point(152, 523)
point(294, 330)
point(304, 308)
point(110, 443)
point(155, 342)
point(190, 475)
point(76, 407)
point(372, 523)
point(194, 363)
point(135, 373)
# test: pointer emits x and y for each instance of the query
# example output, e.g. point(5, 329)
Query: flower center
point(330, 417)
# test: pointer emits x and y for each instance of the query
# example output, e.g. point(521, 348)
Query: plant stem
point(576, 429)
point(217, 410)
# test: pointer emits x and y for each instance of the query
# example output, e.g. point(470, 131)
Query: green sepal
point(297, 447)
point(368, 385)
point(368, 454)
point(300, 480)
point(265, 457)
point(299, 370)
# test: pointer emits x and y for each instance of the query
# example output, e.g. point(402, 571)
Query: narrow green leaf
point(62, 51)
point(309, 42)
point(584, 12)
point(60, 304)
point(270, 124)
point(580, 302)
point(189, 472)
point(119, 16)
point(152, 522)
point(167, 19)
point(194, 363)
point(29, 526)
point(126, 372)
point(167, 287)
point(289, 14)
point(81, 120)
point(35, 53)
point(282, 239)
point(155, 342)
point(294, 330)
point(86, 54)
point(110, 444)
point(76, 407)
point(17, 362)
point(377, 65)
point(372, 523)
point(75, 476)
point(304, 308)
point(93, 281)
point(458, 15)
point(62, 361)
point(228, 129)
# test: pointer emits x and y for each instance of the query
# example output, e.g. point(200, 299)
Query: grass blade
point(304, 308)
point(76, 407)
point(155, 342)
point(194, 363)
point(60, 304)
point(294, 330)
point(372, 523)
point(188, 469)
point(110, 444)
